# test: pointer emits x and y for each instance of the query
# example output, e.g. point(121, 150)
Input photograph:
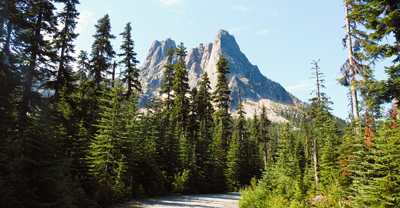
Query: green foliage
point(90, 146)
point(181, 180)
point(273, 190)
point(375, 168)
point(129, 60)
point(222, 132)
point(102, 51)
point(181, 88)
point(107, 156)
point(63, 43)
point(39, 174)
point(169, 73)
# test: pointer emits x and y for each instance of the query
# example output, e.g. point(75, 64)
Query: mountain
point(244, 76)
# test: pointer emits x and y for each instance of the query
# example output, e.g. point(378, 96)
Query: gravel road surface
point(229, 200)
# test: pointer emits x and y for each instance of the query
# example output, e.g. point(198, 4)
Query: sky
point(282, 38)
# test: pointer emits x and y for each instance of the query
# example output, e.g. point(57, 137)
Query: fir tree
point(62, 41)
point(102, 51)
point(130, 61)
point(102, 54)
point(181, 89)
point(265, 140)
point(381, 19)
point(39, 21)
point(222, 133)
point(204, 156)
point(108, 160)
point(40, 172)
point(169, 73)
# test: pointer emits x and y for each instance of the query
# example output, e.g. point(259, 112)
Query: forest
point(72, 133)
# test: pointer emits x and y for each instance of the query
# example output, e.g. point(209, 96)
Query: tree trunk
point(316, 163)
point(317, 77)
point(307, 149)
point(265, 153)
point(113, 74)
point(61, 71)
point(27, 85)
point(353, 90)
point(6, 48)
point(396, 101)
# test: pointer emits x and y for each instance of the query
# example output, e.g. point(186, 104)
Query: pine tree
point(376, 182)
point(381, 19)
point(167, 145)
point(169, 73)
point(8, 131)
point(62, 41)
point(204, 162)
point(264, 137)
point(233, 162)
point(102, 51)
point(350, 65)
point(38, 21)
point(181, 89)
point(40, 176)
point(102, 54)
point(222, 132)
point(108, 160)
point(130, 61)
point(181, 108)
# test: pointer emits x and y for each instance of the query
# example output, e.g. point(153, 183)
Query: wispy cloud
point(85, 18)
point(241, 8)
point(308, 85)
point(303, 85)
point(172, 2)
point(262, 32)
point(190, 22)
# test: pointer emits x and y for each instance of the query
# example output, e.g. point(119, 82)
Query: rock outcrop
point(244, 76)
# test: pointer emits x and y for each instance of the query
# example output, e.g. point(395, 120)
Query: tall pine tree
point(129, 60)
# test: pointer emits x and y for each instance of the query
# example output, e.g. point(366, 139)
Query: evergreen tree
point(107, 158)
point(381, 19)
point(62, 41)
point(140, 148)
point(181, 107)
point(181, 89)
point(204, 161)
point(233, 162)
point(102, 51)
point(167, 145)
point(222, 133)
point(169, 74)
point(40, 176)
point(130, 61)
point(376, 179)
point(265, 140)
point(73, 127)
point(102, 54)
point(38, 21)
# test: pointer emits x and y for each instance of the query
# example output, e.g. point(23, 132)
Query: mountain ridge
point(244, 76)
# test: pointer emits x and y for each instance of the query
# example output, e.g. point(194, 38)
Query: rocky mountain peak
point(244, 76)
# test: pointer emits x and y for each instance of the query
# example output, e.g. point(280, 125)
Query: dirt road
point(229, 200)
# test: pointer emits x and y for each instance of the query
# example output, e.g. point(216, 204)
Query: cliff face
point(244, 76)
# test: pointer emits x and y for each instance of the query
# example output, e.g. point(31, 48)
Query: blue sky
point(281, 37)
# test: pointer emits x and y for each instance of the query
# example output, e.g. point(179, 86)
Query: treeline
point(76, 138)
point(325, 167)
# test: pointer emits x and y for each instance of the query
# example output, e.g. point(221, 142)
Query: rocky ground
point(229, 200)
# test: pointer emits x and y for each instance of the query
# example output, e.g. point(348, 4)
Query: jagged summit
point(244, 76)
